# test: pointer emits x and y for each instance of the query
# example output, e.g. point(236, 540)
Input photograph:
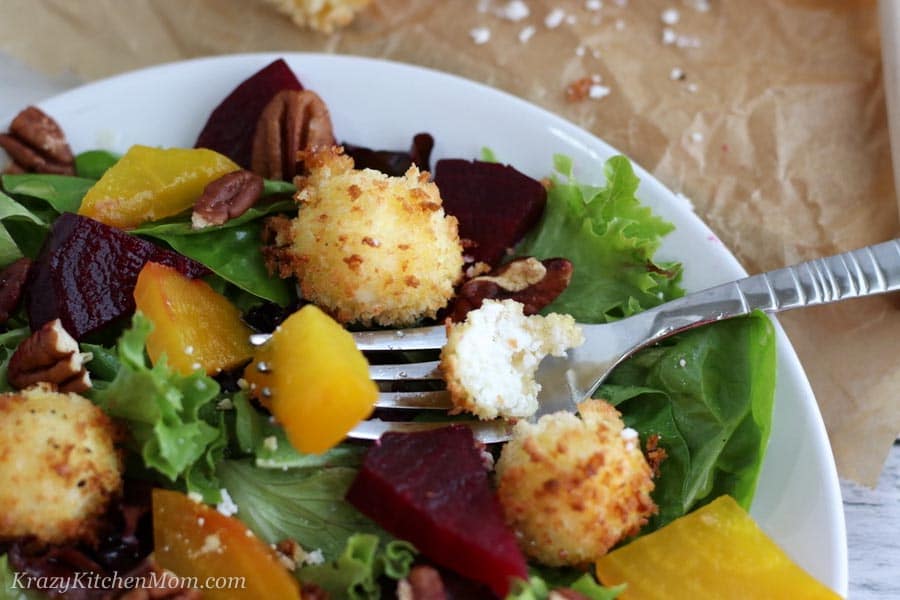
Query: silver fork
point(568, 380)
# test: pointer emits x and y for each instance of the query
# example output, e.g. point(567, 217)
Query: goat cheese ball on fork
point(366, 247)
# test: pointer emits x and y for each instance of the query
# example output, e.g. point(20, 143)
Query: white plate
point(383, 104)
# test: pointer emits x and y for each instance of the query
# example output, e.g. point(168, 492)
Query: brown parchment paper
point(777, 132)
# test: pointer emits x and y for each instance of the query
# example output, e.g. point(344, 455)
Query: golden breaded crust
point(321, 15)
point(58, 465)
point(366, 247)
point(573, 487)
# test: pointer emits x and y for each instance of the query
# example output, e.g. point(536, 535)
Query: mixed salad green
point(706, 394)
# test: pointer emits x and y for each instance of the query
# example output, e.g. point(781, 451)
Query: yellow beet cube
point(314, 379)
point(715, 552)
point(148, 184)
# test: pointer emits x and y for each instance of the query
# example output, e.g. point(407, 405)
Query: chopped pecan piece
point(423, 583)
point(293, 121)
point(228, 197)
point(36, 143)
point(12, 281)
point(530, 281)
point(50, 355)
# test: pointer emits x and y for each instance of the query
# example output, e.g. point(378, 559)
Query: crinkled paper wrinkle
point(777, 133)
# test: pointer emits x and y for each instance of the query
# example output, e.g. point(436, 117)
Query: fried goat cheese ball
point(366, 247)
point(571, 488)
point(58, 464)
point(490, 359)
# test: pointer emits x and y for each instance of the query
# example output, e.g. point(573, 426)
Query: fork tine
point(416, 338)
point(486, 432)
point(425, 400)
point(423, 371)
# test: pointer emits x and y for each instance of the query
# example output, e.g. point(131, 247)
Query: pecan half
point(423, 583)
point(530, 281)
point(229, 196)
point(12, 282)
point(49, 355)
point(292, 121)
point(36, 143)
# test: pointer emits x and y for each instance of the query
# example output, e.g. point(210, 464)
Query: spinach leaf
point(62, 192)
point(708, 394)
point(94, 163)
point(10, 587)
point(21, 230)
point(232, 251)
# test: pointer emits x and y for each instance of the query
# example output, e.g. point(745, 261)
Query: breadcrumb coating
point(574, 487)
point(366, 247)
point(58, 465)
point(321, 15)
point(490, 359)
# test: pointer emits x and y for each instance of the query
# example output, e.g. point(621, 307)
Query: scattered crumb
point(676, 74)
point(516, 10)
point(620, 25)
point(669, 36)
point(579, 89)
point(554, 18)
point(480, 35)
point(526, 34)
point(598, 91)
point(571, 19)
point(697, 137)
point(593, 5)
point(227, 506)
point(579, 51)
point(692, 87)
point(670, 16)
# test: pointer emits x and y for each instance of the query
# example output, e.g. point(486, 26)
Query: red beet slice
point(86, 271)
point(230, 127)
point(393, 162)
point(431, 489)
point(495, 204)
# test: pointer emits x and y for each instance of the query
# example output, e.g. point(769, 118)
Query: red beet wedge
point(431, 489)
point(230, 127)
point(86, 271)
point(495, 204)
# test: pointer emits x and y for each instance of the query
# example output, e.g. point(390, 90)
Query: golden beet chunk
point(194, 326)
point(314, 379)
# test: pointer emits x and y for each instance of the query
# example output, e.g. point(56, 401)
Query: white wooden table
point(873, 516)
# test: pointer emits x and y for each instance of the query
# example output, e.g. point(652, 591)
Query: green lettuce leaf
point(610, 238)
point(303, 503)
point(355, 573)
point(537, 588)
point(162, 410)
point(9, 588)
point(708, 394)
point(22, 230)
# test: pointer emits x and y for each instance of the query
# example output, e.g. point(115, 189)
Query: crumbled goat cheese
point(526, 34)
point(554, 18)
point(212, 543)
point(670, 16)
point(516, 10)
point(226, 403)
point(194, 496)
point(682, 363)
point(227, 506)
point(271, 443)
point(629, 434)
point(480, 35)
point(315, 557)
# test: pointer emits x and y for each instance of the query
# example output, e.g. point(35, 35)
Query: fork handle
point(864, 272)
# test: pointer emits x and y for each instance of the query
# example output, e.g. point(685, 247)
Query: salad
point(702, 400)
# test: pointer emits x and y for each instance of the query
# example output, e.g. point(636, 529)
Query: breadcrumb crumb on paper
point(572, 487)
point(321, 15)
point(491, 358)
